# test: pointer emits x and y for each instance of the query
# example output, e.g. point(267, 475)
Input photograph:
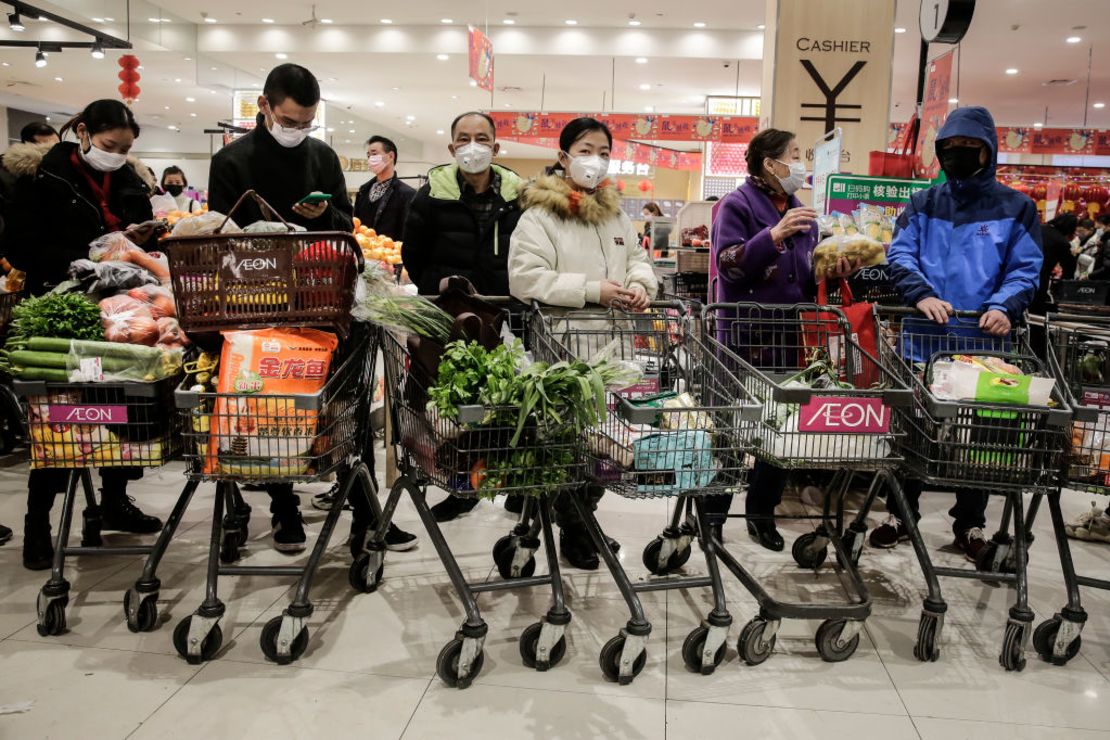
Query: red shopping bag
point(900, 162)
point(864, 332)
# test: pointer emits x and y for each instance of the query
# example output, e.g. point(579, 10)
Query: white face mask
point(376, 162)
point(793, 182)
point(101, 160)
point(588, 171)
point(288, 137)
point(474, 157)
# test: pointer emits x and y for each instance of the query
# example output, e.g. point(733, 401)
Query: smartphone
point(314, 198)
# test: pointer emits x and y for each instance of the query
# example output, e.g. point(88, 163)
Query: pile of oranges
point(174, 216)
point(377, 247)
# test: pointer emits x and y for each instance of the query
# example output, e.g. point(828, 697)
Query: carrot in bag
point(255, 433)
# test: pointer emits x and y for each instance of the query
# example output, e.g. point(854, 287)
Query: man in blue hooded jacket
point(969, 244)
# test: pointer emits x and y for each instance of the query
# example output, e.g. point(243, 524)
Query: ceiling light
point(210, 20)
point(213, 69)
point(761, 27)
point(508, 21)
point(454, 97)
point(177, 79)
point(473, 83)
point(190, 100)
point(410, 117)
point(503, 151)
point(379, 104)
point(1100, 105)
point(97, 50)
point(641, 60)
point(326, 21)
point(97, 20)
point(155, 20)
point(4, 64)
point(267, 20)
point(110, 20)
point(58, 79)
point(1073, 39)
point(394, 88)
point(1038, 124)
point(15, 23)
point(699, 24)
point(40, 59)
point(899, 29)
point(385, 21)
point(166, 107)
point(281, 55)
point(953, 101)
point(442, 57)
point(193, 115)
point(571, 22)
point(188, 59)
point(508, 105)
point(446, 21)
point(645, 86)
point(649, 108)
point(346, 141)
point(1012, 71)
point(350, 131)
point(331, 131)
point(439, 132)
point(171, 127)
point(633, 22)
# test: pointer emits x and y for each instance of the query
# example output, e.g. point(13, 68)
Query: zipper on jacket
point(86, 201)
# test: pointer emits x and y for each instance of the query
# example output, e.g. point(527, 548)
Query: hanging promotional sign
point(244, 114)
point(627, 151)
point(480, 54)
point(934, 112)
point(846, 193)
point(826, 161)
point(536, 125)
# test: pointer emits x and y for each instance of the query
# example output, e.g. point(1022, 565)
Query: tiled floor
point(369, 671)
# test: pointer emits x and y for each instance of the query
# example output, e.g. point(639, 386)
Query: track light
point(40, 59)
point(15, 23)
point(97, 50)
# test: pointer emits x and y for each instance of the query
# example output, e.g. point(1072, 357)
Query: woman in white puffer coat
point(574, 247)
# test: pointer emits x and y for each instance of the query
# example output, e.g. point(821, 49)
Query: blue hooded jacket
point(974, 243)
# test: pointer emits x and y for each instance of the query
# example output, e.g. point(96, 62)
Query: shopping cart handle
point(910, 311)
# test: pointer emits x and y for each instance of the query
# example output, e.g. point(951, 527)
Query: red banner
point(628, 151)
point(480, 52)
point(535, 125)
point(934, 111)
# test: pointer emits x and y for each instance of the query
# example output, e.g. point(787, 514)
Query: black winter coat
point(442, 235)
point(282, 176)
point(54, 215)
point(389, 214)
point(1057, 251)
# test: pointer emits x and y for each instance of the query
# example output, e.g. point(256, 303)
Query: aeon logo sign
point(845, 415)
point(66, 414)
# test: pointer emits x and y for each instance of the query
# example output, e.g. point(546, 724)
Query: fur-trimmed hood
point(555, 195)
point(23, 160)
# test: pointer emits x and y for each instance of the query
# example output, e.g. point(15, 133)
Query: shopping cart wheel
point(831, 645)
point(674, 561)
point(610, 659)
point(271, 632)
point(1044, 639)
point(752, 646)
point(146, 614)
point(530, 639)
point(504, 554)
point(926, 649)
point(692, 649)
point(810, 551)
point(362, 576)
point(447, 665)
point(1012, 657)
point(52, 621)
point(208, 649)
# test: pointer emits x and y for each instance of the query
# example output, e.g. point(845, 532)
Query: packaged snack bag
point(255, 433)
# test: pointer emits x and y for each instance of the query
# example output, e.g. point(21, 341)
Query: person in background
point(658, 235)
point(574, 246)
point(969, 244)
point(283, 164)
point(1057, 237)
point(68, 196)
point(763, 242)
point(174, 184)
point(39, 132)
point(460, 223)
point(383, 203)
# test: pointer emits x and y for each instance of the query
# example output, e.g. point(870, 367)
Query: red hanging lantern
point(1040, 192)
point(129, 61)
point(620, 186)
point(1072, 191)
point(645, 185)
point(1095, 193)
point(129, 75)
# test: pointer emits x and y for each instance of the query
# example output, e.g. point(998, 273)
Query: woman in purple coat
point(763, 241)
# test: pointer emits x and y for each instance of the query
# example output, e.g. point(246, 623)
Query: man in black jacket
point(281, 162)
point(383, 203)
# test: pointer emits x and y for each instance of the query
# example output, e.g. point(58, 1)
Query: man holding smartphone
point(296, 174)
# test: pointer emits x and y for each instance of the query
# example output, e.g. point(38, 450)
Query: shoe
point(614, 546)
point(971, 542)
point(717, 532)
point(1091, 525)
point(578, 550)
point(889, 533)
point(120, 514)
point(767, 534)
point(396, 539)
point(38, 545)
point(288, 531)
point(514, 503)
point(5, 534)
point(324, 501)
point(452, 508)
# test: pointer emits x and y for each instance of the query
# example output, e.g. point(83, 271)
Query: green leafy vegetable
point(63, 315)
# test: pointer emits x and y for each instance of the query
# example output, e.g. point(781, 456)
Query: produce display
point(377, 247)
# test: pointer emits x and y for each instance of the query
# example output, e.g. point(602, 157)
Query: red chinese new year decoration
point(129, 74)
point(644, 185)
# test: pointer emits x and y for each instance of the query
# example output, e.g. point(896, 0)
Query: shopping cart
point(657, 443)
point(1003, 449)
point(12, 420)
point(1077, 354)
point(240, 281)
point(828, 405)
point(76, 426)
point(469, 452)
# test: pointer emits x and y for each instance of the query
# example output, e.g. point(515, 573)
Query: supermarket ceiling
point(402, 66)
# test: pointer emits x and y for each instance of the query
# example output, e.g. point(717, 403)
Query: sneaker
point(5, 534)
point(971, 542)
point(120, 514)
point(514, 503)
point(324, 501)
point(396, 539)
point(889, 533)
point(288, 531)
point(767, 534)
point(452, 508)
point(578, 550)
point(1091, 525)
point(38, 545)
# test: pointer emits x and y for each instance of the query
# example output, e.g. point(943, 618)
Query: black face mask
point(175, 190)
point(960, 162)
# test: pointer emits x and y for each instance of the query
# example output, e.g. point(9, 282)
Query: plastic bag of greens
point(98, 362)
point(271, 227)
